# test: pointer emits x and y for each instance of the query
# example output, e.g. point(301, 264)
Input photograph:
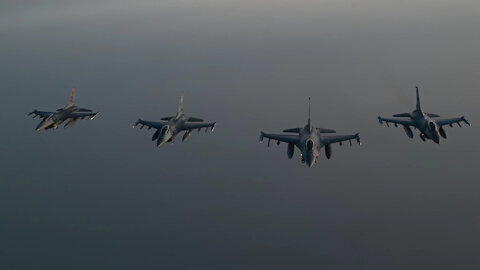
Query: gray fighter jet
point(429, 129)
point(69, 112)
point(309, 140)
point(169, 127)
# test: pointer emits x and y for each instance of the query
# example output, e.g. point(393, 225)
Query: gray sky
point(100, 196)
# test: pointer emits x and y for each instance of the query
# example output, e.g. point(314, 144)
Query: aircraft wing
point(280, 137)
point(83, 115)
point(149, 124)
point(405, 122)
point(41, 114)
point(451, 121)
point(330, 139)
point(193, 126)
point(325, 130)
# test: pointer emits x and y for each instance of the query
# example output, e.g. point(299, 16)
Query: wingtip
point(136, 123)
point(357, 136)
point(93, 116)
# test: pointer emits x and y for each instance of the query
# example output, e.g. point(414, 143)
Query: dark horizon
point(101, 196)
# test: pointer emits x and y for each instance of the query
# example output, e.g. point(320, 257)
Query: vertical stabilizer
point(71, 100)
point(309, 109)
point(180, 106)
point(418, 99)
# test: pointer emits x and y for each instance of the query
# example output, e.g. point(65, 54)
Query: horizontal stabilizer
point(292, 130)
point(401, 115)
point(326, 130)
point(84, 110)
point(194, 119)
point(432, 115)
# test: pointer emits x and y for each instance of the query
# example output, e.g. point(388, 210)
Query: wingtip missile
point(357, 136)
point(136, 123)
point(33, 112)
point(380, 121)
point(465, 120)
point(93, 116)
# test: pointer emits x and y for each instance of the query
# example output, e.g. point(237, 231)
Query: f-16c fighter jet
point(169, 127)
point(309, 140)
point(70, 112)
point(429, 129)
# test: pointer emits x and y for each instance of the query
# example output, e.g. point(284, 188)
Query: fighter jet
point(69, 112)
point(169, 127)
point(309, 140)
point(429, 129)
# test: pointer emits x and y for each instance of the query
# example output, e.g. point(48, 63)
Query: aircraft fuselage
point(428, 128)
point(309, 145)
point(56, 119)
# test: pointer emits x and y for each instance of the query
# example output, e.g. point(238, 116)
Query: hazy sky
point(101, 196)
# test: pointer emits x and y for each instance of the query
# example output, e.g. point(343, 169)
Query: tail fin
point(418, 99)
point(71, 100)
point(309, 101)
point(180, 105)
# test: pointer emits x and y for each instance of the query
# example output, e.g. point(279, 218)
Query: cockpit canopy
point(164, 130)
point(309, 144)
point(50, 116)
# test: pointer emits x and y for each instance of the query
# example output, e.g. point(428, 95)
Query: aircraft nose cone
point(310, 162)
point(43, 125)
point(162, 140)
